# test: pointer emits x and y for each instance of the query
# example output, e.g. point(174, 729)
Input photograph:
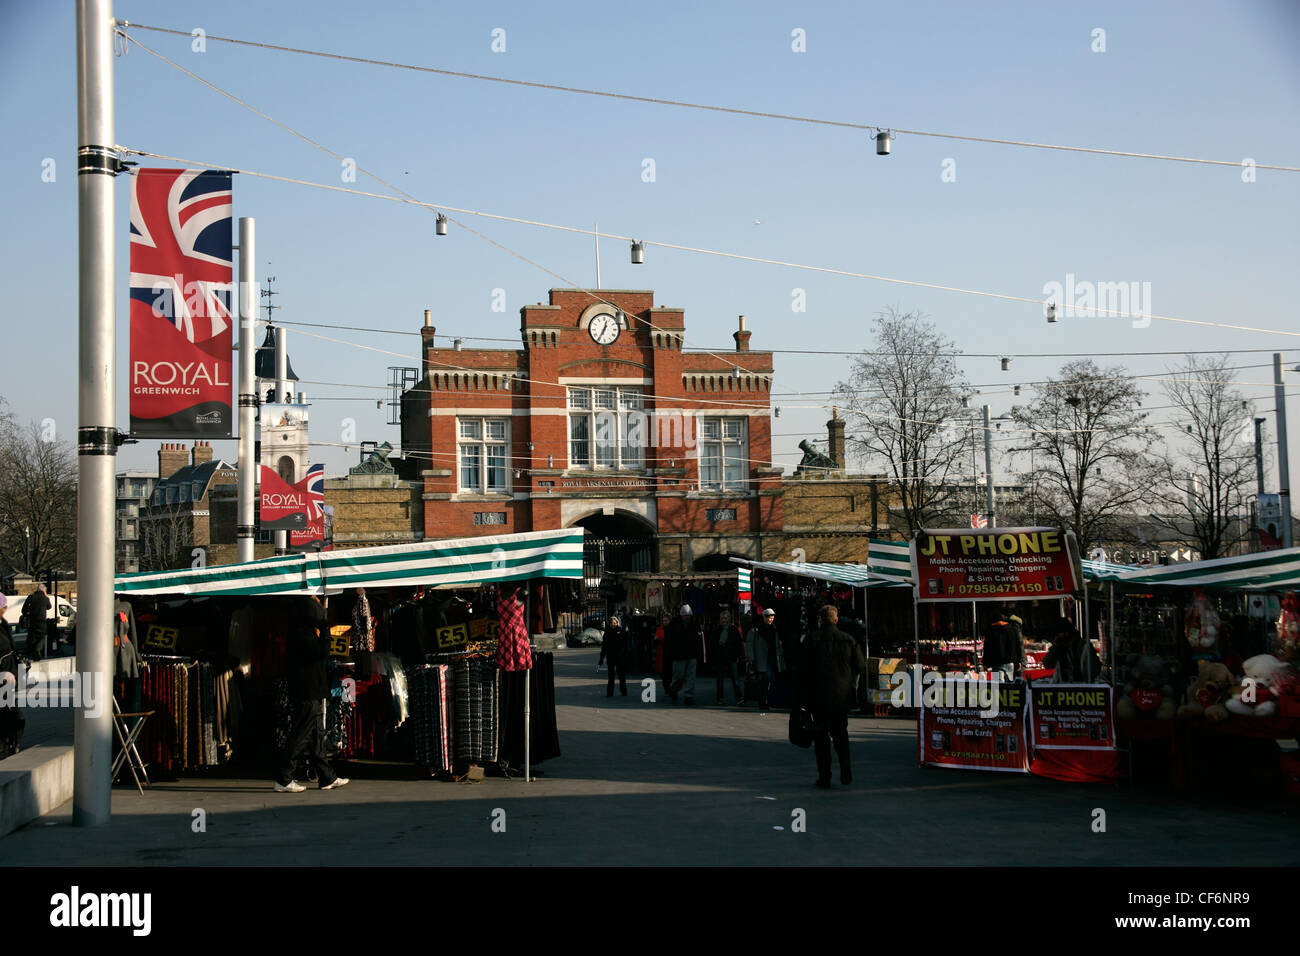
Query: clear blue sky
point(1219, 81)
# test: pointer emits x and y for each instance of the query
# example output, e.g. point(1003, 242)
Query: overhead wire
point(658, 101)
point(846, 273)
point(400, 192)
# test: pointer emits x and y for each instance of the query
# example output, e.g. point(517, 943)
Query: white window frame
point(717, 447)
point(602, 408)
point(475, 434)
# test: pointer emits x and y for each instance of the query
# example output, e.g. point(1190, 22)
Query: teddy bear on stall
point(1149, 690)
point(1206, 695)
point(1266, 678)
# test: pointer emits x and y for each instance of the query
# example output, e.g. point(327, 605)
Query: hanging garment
point(513, 651)
point(208, 702)
point(431, 715)
point(363, 624)
point(125, 642)
point(545, 743)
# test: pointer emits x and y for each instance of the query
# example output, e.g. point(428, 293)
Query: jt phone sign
point(995, 564)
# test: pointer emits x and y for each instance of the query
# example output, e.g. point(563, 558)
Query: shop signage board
point(1072, 716)
point(454, 637)
point(161, 638)
point(995, 564)
point(181, 281)
point(965, 738)
point(339, 643)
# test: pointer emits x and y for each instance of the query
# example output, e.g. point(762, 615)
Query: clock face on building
point(603, 328)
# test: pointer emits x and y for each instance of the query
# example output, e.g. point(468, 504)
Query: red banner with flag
point(182, 329)
point(298, 508)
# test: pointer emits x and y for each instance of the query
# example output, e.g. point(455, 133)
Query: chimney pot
point(741, 336)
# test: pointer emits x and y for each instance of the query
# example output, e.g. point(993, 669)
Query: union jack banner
point(312, 536)
point(182, 327)
point(979, 521)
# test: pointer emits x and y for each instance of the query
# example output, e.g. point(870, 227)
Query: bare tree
point(1092, 467)
point(166, 536)
point(1203, 484)
point(903, 399)
point(38, 498)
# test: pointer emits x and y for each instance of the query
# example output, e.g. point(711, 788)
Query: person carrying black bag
point(832, 661)
point(308, 687)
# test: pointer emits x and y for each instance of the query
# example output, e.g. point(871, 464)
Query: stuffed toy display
point(1205, 697)
point(1266, 678)
point(1201, 625)
point(1288, 628)
point(1149, 691)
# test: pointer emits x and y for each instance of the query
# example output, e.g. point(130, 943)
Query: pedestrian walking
point(663, 663)
point(307, 651)
point(728, 656)
point(832, 662)
point(614, 648)
point(32, 617)
point(767, 654)
point(684, 646)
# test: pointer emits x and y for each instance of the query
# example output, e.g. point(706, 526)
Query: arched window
point(285, 467)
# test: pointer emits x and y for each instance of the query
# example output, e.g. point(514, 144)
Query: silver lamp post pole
point(96, 435)
point(247, 390)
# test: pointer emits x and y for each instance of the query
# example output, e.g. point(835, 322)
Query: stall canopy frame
point(458, 561)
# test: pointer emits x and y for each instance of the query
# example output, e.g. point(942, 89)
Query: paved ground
point(656, 783)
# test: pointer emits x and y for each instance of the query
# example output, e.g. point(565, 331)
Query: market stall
point(807, 585)
point(1205, 656)
point(977, 720)
point(429, 654)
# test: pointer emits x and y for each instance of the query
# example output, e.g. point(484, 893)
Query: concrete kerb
point(38, 779)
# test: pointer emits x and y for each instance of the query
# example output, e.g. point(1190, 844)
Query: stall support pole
point(1110, 628)
point(915, 679)
point(1084, 629)
point(528, 684)
point(866, 623)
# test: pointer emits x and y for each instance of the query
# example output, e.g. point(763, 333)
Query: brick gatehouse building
point(602, 419)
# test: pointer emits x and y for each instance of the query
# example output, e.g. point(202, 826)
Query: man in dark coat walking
point(832, 661)
point(307, 652)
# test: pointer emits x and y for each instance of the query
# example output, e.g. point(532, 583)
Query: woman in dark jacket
point(614, 649)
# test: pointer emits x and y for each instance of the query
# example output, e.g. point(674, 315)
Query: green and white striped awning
point(890, 561)
point(1268, 570)
point(889, 564)
point(455, 561)
point(1104, 570)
